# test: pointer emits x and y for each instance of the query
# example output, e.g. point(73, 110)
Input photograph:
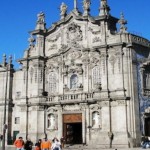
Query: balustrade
point(70, 97)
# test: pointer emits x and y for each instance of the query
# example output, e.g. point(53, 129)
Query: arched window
point(52, 82)
point(96, 75)
point(74, 81)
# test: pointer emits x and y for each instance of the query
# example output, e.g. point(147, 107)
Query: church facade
point(82, 79)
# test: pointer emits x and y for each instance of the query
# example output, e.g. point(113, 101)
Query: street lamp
point(4, 121)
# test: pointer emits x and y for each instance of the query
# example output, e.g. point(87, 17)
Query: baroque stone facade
point(82, 78)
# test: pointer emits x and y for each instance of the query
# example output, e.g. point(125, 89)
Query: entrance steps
point(84, 147)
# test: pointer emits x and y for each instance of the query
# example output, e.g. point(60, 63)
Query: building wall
point(81, 67)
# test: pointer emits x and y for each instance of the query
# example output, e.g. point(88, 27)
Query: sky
point(18, 17)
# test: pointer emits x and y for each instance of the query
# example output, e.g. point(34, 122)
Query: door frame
point(72, 118)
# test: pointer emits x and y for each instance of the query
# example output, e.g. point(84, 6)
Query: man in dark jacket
point(28, 144)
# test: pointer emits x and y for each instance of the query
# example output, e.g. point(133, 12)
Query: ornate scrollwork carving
point(75, 68)
point(72, 107)
point(96, 39)
point(95, 32)
point(74, 35)
point(95, 107)
point(74, 55)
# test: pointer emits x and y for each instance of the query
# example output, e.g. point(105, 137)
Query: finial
point(40, 21)
point(86, 7)
point(122, 22)
point(75, 4)
point(75, 8)
point(104, 8)
point(31, 41)
point(63, 10)
point(10, 59)
point(4, 59)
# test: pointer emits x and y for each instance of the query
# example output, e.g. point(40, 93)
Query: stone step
point(79, 147)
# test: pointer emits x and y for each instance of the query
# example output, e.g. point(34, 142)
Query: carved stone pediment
point(52, 110)
point(95, 107)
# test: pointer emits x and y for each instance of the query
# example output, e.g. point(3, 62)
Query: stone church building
point(82, 78)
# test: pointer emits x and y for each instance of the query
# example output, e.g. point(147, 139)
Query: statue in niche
point(96, 119)
point(51, 121)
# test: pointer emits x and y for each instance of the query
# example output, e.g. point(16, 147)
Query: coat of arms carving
point(74, 35)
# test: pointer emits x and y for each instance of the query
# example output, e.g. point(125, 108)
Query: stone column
point(23, 121)
point(84, 107)
point(88, 125)
point(60, 122)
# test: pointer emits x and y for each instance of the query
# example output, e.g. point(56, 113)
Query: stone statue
point(86, 4)
point(103, 3)
point(63, 9)
point(96, 120)
point(41, 17)
point(51, 121)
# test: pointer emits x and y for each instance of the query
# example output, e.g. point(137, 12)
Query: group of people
point(44, 144)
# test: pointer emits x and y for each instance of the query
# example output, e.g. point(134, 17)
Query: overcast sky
point(17, 17)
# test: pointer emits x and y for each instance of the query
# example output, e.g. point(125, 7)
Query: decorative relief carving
point(96, 39)
point(74, 35)
point(95, 32)
point(71, 107)
point(52, 110)
point(75, 68)
point(51, 67)
point(94, 60)
point(63, 48)
point(95, 107)
point(74, 55)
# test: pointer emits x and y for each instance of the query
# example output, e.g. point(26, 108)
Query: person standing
point(28, 144)
point(62, 141)
point(45, 145)
point(19, 143)
point(38, 145)
point(56, 145)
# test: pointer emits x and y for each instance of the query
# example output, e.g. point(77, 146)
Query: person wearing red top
point(45, 145)
point(19, 143)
